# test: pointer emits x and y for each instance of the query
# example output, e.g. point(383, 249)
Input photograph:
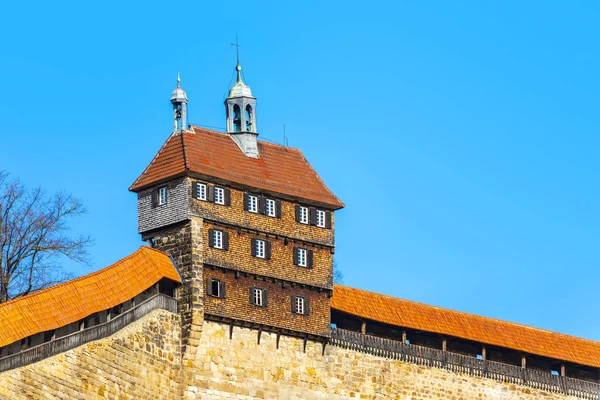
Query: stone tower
point(249, 223)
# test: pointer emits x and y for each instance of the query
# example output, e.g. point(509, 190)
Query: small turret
point(179, 100)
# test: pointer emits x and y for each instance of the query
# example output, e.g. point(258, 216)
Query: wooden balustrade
point(463, 364)
point(62, 344)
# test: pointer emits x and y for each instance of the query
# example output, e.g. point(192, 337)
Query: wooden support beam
point(305, 340)
point(523, 362)
point(444, 344)
point(563, 369)
point(403, 335)
point(278, 337)
point(324, 344)
point(483, 353)
point(363, 327)
point(231, 330)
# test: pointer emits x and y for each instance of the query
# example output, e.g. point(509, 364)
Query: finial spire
point(178, 80)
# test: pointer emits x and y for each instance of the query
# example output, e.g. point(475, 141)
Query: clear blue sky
point(463, 136)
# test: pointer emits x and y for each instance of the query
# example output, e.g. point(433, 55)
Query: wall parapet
point(463, 364)
point(65, 343)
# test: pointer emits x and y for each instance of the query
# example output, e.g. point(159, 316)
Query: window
point(258, 297)
point(270, 208)
point(252, 203)
point(259, 248)
point(218, 239)
point(300, 305)
point(201, 191)
point(237, 119)
point(302, 257)
point(219, 195)
point(249, 118)
point(162, 196)
point(216, 288)
point(320, 219)
point(303, 215)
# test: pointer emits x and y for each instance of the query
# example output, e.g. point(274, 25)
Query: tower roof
point(179, 95)
point(240, 89)
point(279, 169)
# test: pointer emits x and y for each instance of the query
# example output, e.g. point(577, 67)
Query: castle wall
point(142, 361)
point(242, 369)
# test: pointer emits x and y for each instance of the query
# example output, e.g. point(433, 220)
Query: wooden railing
point(464, 364)
point(62, 344)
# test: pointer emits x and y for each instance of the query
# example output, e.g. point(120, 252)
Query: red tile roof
point(279, 169)
point(71, 301)
point(408, 314)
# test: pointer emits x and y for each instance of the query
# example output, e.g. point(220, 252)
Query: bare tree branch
point(34, 236)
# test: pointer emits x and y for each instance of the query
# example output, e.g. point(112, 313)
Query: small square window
point(260, 248)
point(321, 218)
point(257, 296)
point(299, 305)
point(162, 196)
point(302, 257)
point(252, 203)
point(201, 191)
point(219, 195)
point(303, 215)
point(218, 239)
point(270, 208)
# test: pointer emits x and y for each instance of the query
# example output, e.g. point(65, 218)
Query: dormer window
point(237, 119)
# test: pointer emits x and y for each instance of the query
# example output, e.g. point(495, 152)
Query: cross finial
point(237, 49)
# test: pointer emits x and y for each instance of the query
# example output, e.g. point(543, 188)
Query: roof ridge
point(322, 182)
point(265, 141)
point(113, 265)
point(467, 313)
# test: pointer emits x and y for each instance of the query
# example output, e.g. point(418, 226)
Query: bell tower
point(179, 101)
point(240, 109)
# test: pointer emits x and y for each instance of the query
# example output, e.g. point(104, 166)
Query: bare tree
point(34, 235)
point(338, 276)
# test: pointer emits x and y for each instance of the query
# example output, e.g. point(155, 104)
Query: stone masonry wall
point(142, 361)
point(242, 369)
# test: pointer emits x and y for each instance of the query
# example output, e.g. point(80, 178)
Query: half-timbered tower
point(249, 223)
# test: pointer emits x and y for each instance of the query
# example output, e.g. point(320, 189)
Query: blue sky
point(462, 136)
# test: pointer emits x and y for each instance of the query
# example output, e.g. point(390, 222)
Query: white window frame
point(261, 248)
point(201, 191)
point(252, 203)
point(162, 195)
point(300, 303)
point(257, 295)
point(302, 257)
point(219, 195)
point(321, 218)
point(218, 239)
point(304, 215)
point(270, 208)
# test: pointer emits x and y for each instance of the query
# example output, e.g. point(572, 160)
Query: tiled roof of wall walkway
point(71, 301)
point(422, 317)
point(279, 169)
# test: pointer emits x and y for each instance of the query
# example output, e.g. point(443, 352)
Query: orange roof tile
point(71, 301)
point(412, 315)
point(279, 169)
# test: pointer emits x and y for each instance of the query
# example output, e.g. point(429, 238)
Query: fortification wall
point(241, 368)
point(142, 361)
